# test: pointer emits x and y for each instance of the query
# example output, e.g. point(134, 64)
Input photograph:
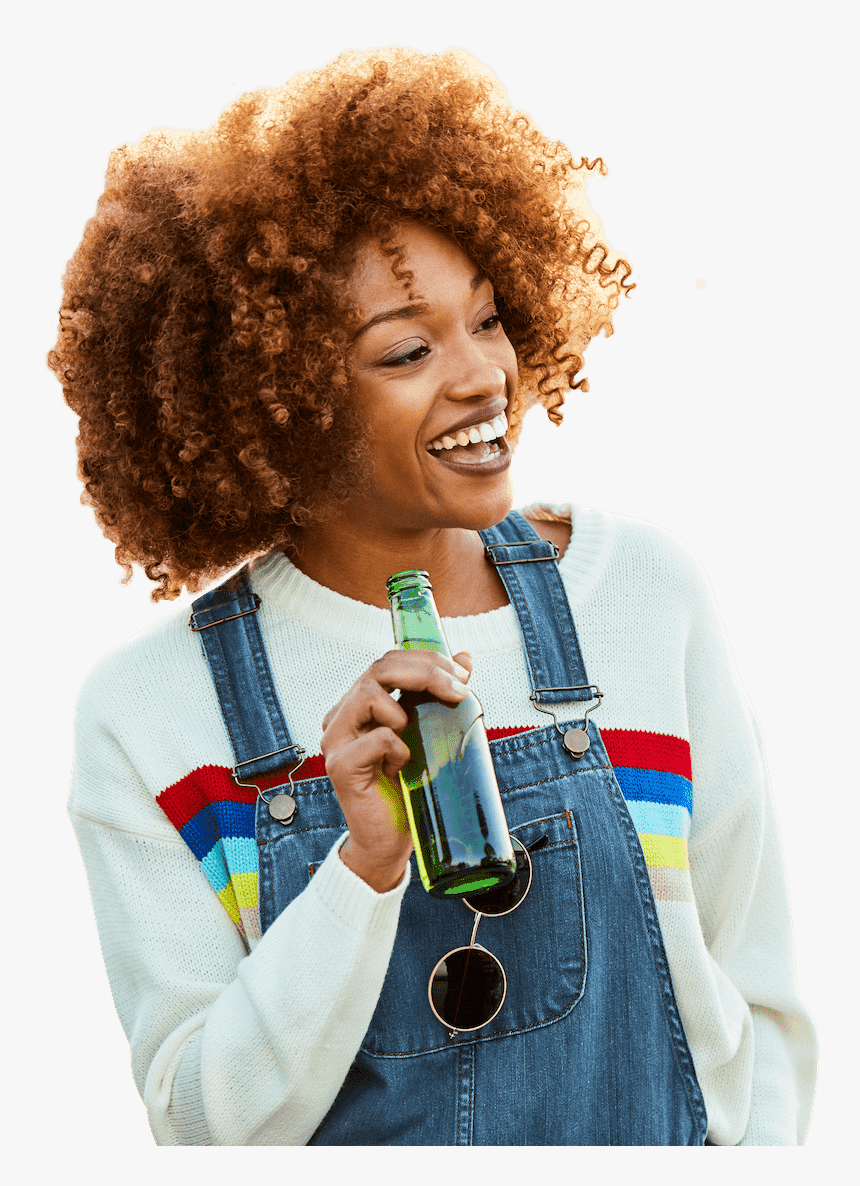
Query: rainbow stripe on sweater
point(215, 817)
point(655, 776)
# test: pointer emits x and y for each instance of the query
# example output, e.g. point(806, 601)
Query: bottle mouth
point(412, 578)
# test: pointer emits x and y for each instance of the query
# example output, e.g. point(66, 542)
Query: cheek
point(392, 447)
point(396, 421)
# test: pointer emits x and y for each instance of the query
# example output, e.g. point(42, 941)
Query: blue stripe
point(655, 786)
point(241, 854)
point(201, 832)
point(222, 818)
point(215, 869)
point(235, 819)
point(661, 819)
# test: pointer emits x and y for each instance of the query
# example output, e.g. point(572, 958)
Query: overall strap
point(528, 567)
point(226, 620)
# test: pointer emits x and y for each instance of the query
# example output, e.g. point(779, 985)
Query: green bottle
point(455, 812)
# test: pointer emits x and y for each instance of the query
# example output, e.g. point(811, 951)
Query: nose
point(474, 376)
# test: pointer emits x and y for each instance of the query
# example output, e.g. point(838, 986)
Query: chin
point(487, 512)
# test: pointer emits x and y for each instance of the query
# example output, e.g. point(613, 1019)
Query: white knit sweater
point(239, 1041)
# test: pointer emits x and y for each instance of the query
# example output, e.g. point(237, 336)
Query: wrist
point(380, 877)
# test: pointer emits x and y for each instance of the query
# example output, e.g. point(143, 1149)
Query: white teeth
point(488, 430)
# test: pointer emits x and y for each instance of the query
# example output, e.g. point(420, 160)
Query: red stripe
point(493, 734)
point(207, 784)
point(312, 767)
point(211, 784)
point(648, 751)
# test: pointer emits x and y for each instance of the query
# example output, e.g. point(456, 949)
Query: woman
point(307, 339)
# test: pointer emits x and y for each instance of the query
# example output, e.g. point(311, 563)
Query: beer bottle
point(455, 812)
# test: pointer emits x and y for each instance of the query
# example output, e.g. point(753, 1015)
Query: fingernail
point(457, 685)
point(461, 671)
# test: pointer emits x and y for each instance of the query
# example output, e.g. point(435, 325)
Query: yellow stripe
point(245, 885)
point(227, 897)
point(670, 852)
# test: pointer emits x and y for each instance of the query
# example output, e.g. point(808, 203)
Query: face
point(432, 377)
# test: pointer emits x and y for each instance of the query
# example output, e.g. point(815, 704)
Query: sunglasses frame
point(472, 945)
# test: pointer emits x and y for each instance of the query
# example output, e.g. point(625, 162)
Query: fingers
point(361, 733)
point(464, 659)
point(358, 759)
point(368, 702)
point(363, 752)
point(422, 671)
point(365, 706)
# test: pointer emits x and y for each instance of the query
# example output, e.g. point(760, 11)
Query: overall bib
point(588, 1047)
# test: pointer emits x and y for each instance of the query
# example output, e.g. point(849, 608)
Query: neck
point(357, 564)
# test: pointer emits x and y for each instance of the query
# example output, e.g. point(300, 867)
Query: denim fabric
point(588, 1048)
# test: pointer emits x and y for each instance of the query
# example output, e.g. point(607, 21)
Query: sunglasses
point(468, 985)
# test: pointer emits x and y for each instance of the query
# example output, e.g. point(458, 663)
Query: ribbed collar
point(281, 585)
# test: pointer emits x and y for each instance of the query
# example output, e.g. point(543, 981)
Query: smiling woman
point(437, 369)
point(209, 297)
point(303, 343)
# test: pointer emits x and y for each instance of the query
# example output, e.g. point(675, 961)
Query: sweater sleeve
point(228, 1048)
point(756, 1055)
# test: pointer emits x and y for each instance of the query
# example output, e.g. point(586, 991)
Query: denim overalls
point(588, 1047)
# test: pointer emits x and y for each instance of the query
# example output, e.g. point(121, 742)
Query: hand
point(363, 753)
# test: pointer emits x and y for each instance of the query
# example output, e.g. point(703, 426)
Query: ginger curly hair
point(205, 331)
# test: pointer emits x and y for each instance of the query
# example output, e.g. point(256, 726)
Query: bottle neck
point(417, 626)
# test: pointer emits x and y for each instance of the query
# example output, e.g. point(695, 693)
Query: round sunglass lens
point(467, 988)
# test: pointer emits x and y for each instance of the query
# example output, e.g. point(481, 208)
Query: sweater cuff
point(351, 901)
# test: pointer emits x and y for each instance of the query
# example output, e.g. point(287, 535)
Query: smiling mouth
point(480, 445)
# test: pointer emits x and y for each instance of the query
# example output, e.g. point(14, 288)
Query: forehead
point(439, 267)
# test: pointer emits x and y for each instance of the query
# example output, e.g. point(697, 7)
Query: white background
point(722, 408)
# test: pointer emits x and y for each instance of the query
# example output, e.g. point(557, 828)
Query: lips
point(475, 446)
point(492, 424)
point(475, 459)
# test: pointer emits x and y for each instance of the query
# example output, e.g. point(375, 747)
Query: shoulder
point(594, 543)
point(162, 659)
point(146, 716)
point(557, 531)
point(551, 521)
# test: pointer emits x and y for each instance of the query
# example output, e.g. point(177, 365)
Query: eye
point(490, 323)
point(413, 355)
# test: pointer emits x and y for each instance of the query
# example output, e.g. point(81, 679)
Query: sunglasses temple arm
point(541, 842)
point(478, 918)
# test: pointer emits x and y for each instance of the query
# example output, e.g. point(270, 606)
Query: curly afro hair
point(205, 330)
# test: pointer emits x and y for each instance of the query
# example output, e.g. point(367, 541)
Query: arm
point(743, 905)
point(233, 1048)
point(757, 1066)
point(229, 1048)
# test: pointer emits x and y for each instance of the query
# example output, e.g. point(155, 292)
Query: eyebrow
point(410, 311)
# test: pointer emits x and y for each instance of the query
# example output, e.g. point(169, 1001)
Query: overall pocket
point(541, 945)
